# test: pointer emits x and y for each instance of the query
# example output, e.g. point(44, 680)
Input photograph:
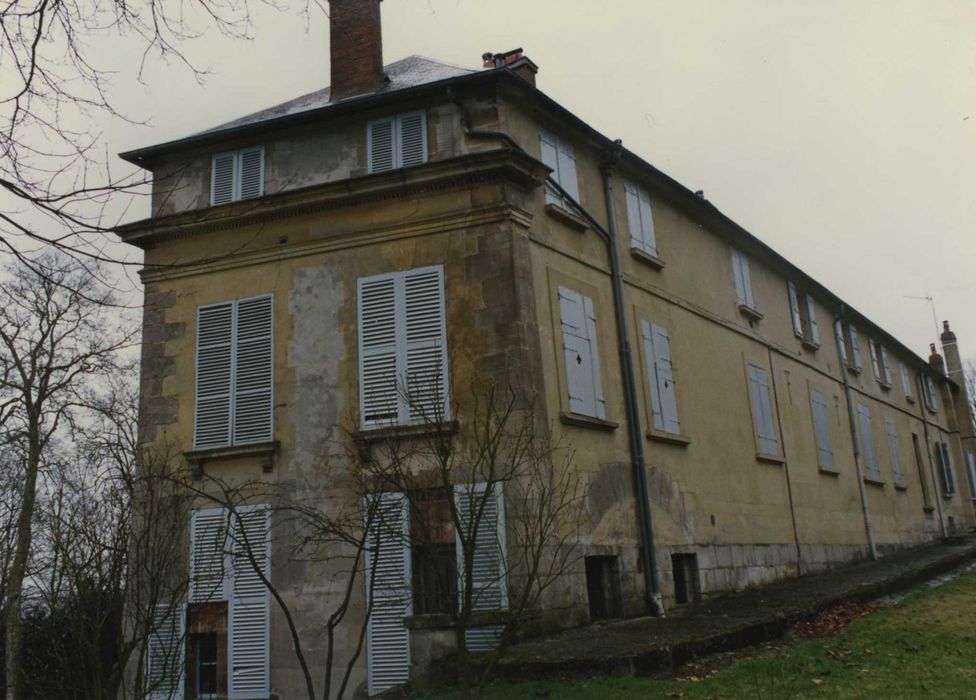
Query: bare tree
point(56, 340)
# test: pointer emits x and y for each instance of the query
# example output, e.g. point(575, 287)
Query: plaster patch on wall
point(314, 353)
point(667, 495)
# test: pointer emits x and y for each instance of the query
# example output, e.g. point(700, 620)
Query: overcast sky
point(842, 133)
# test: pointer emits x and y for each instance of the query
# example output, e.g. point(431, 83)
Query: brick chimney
point(515, 61)
point(356, 47)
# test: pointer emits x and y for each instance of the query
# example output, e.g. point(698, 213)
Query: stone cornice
point(506, 164)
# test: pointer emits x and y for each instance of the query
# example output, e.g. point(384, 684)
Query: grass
point(923, 647)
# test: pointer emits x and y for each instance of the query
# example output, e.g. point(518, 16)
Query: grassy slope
point(925, 647)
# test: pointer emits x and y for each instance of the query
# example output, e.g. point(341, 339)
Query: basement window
point(687, 588)
point(603, 586)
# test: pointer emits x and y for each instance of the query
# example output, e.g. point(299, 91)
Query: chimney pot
point(356, 47)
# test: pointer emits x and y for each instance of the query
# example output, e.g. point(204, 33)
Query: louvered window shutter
point(763, 411)
point(567, 169)
point(481, 515)
point(875, 365)
point(597, 382)
point(657, 411)
point(208, 553)
point(948, 478)
point(633, 215)
point(254, 371)
point(425, 345)
point(580, 353)
point(825, 453)
point(378, 378)
point(412, 137)
point(893, 450)
point(812, 320)
point(381, 146)
point(930, 385)
point(867, 441)
point(664, 379)
point(166, 653)
point(251, 173)
point(885, 367)
point(550, 156)
point(795, 309)
point(249, 677)
point(855, 347)
point(222, 176)
point(388, 587)
point(841, 342)
point(215, 335)
point(743, 281)
point(906, 382)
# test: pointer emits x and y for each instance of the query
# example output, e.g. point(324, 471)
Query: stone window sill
point(910, 399)
point(649, 259)
point(370, 436)
point(770, 459)
point(810, 345)
point(885, 386)
point(829, 471)
point(901, 485)
point(750, 312)
point(873, 480)
point(265, 451)
point(567, 217)
point(854, 370)
point(928, 509)
point(670, 438)
point(582, 421)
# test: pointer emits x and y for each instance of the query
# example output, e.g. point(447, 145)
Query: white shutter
point(251, 173)
point(948, 479)
point(380, 145)
point(825, 453)
point(893, 450)
point(208, 553)
point(378, 385)
point(663, 384)
point(971, 471)
point(481, 515)
point(249, 677)
point(567, 168)
point(254, 370)
point(867, 441)
point(795, 310)
point(222, 176)
point(657, 411)
point(855, 347)
point(166, 652)
point(601, 404)
point(550, 156)
point(763, 411)
point(412, 137)
point(875, 365)
point(841, 342)
point(743, 281)
point(577, 353)
point(885, 367)
point(388, 586)
point(639, 218)
point(930, 385)
point(215, 333)
point(812, 320)
point(906, 382)
point(425, 344)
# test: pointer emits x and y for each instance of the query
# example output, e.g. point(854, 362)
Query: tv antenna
point(931, 302)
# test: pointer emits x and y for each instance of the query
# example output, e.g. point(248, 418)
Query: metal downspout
point(839, 338)
point(936, 490)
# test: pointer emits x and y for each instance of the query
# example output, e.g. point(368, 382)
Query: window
point(433, 554)
point(581, 353)
point(762, 411)
point(237, 175)
point(660, 377)
point(885, 368)
point(821, 427)
point(804, 316)
point(743, 283)
point(971, 472)
point(922, 479)
point(234, 373)
point(929, 394)
point(206, 650)
point(205, 664)
point(875, 366)
point(852, 349)
point(945, 465)
point(396, 142)
point(867, 444)
point(906, 382)
point(403, 348)
point(893, 451)
point(639, 219)
point(879, 363)
point(558, 155)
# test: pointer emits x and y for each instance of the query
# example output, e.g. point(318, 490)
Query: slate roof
point(405, 73)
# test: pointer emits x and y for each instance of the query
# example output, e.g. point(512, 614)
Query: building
point(737, 422)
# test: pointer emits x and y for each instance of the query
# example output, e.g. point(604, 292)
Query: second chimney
point(356, 47)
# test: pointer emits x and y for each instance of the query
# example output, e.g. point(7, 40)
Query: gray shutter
point(489, 587)
point(208, 550)
point(388, 586)
point(657, 412)
point(425, 344)
point(906, 383)
point(930, 385)
point(215, 325)
point(254, 370)
point(875, 364)
point(867, 441)
point(825, 453)
point(249, 677)
point(633, 215)
point(812, 320)
point(597, 382)
point(893, 450)
point(971, 471)
point(550, 156)
point(841, 342)
point(664, 379)
point(795, 310)
point(251, 173)
point(567, 168)
point(855, 347)
point(223, 168)
point(763, 410)
point(380, 145)
point(378, 390)
point(743, 280)
point(412, 137)
point(165, 653)
point(948, 479)
point(885, 367)
point(577, 352)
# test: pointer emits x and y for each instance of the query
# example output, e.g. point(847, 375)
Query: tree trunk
point(18, 571)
